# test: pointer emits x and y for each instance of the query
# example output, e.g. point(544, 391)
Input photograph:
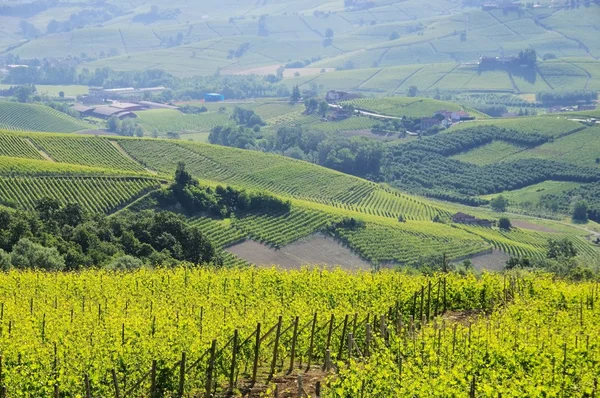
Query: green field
point(54, 90)
point(403, 106)
point(533, 193)
point(546, 125)
point(489, 154)
point(168, 120)
point(27, 117)
point(582, 148)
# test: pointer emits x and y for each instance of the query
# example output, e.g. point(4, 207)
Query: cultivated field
point(27, 117)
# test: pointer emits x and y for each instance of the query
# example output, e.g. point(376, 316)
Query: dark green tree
point(296, 95)
point(499, 203)
point(504, 223)
point(580, 212)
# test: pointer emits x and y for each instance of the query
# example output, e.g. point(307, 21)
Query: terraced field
point(14, 146)
point(95, 152)
point(282, 176)
point(531, 244)
point(410, 243)
point(282, 229)
point(95, 194)
point(28, 117)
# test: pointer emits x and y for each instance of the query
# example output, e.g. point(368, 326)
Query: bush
point(504, 223)
point(29, 255)
point(499, 203)
point(125, 263)
point(4, 260)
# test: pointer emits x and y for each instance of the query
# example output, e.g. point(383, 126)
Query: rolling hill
point(30, 117)
point(321, 199)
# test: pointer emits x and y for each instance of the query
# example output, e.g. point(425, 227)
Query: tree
point(29, 255)
point(580, 212)
point(126, 263)
point(114, 124)
point(563, 248)
point(499, 203)
point(61, 94)
point(504, 223)
point(139, 131)
point(296, 95)
point(5, 262)
point(323, 108)
point(463, 36)
point(329, 33)
point(413, 91)
point(182, 177)
point(394, 35)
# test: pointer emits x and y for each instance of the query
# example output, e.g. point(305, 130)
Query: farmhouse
point(455, 116)
point(334, 96)
point(462, 218)
point(106, 112)
point(83, 110)
point(429, 122)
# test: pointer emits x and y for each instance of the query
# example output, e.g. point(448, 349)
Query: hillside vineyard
point(299, 199)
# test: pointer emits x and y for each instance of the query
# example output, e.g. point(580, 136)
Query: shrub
point(4, 260)
point(29, 255)
point(125, 263)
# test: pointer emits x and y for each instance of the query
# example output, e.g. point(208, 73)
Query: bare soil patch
point(531, 226)
point(493, 260)
point(287, 385)
point(315, 250)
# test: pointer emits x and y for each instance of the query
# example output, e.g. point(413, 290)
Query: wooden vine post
point(276, 346)
point(211, 368)
point(256, 354)
point(182, 365)
point(294, 338)
point(233, 360)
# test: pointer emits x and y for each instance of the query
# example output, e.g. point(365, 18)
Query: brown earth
point(531, 226)
point(315, 250)
point(493, 260)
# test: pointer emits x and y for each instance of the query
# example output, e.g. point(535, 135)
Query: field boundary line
point(42, 153)
point(124, 153)
point(370, 77)
point(512, 81)
point(537, 69)
point(408, 77)
point(315, 31)
point(443, 75)
point(587, 73)
point(123, 42)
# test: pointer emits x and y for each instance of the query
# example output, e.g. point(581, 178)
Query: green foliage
point(499, 203)
point(580, 211)
point(29, 255)
point(563, 248)
point(504, 223)
point(125, 263)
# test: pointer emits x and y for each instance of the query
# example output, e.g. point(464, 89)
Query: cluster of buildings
point(501, 5)
point(445, 119)
point(574, 108)
point(121, 110)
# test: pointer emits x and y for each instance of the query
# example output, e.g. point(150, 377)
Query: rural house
point(466, 219)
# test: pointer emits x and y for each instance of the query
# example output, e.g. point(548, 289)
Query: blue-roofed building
point(214, 97)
